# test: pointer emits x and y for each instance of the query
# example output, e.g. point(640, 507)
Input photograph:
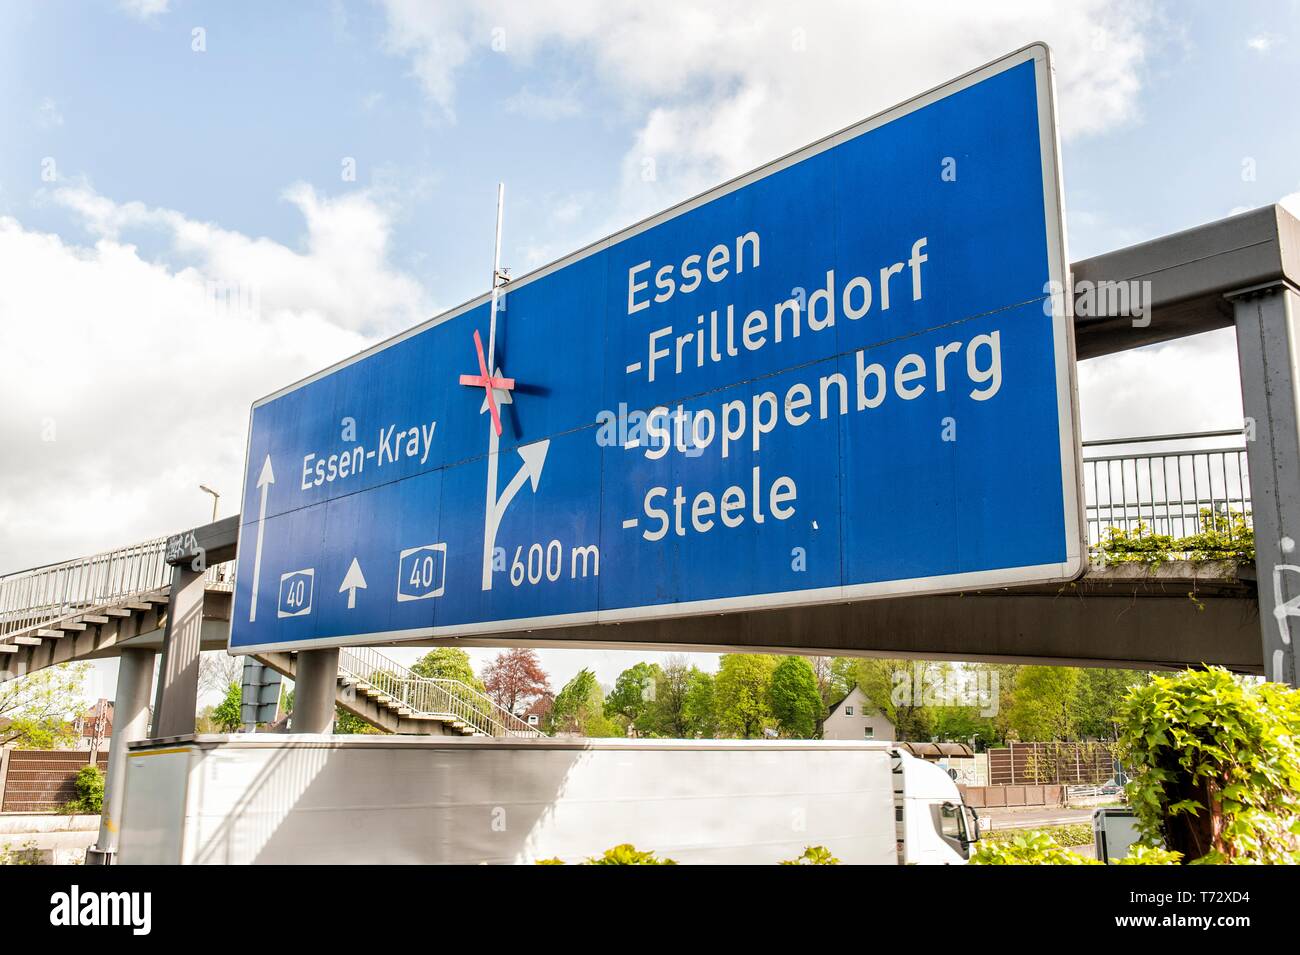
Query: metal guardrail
point(440, 699)
point(1165, 486)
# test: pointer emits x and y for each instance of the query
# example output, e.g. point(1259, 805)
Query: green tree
point(452, 663)
point(742, 693)
point(1044, 704)
point(840, 676)
point(634, 692)
point(699, 708)
point(448, 663)
point(796, 703)
point(961, 723)
point(1098, 698)
point(34, 708)
point(1001, 680)
point(666, 715)
point(580, 708)
point(227, 714)
point(891, 686)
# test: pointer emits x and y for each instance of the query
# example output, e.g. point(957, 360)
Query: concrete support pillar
point(1268, 348)
point(314, 682)
point(178, 677)
point(130, 723)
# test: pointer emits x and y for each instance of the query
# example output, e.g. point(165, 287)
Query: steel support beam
point(1182, 280)
point(1268, 348)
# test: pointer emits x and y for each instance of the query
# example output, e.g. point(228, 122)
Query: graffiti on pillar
point(1283, 610)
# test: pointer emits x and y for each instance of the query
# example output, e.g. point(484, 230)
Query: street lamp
point(216, 498)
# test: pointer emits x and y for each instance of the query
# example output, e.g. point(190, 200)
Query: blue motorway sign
point(847, 374)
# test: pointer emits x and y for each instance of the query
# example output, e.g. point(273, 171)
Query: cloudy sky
point(336, 166)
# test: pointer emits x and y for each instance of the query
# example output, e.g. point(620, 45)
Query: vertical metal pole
point(496, 272)
point(1268, 348)
point(130, 723)
point(314, 683)
point(493, 440)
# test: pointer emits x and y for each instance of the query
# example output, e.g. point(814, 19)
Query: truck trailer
point(420, 800)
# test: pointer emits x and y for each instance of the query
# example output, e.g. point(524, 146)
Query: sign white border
point(1066, 388)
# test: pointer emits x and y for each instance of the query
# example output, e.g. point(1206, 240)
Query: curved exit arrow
point(530, 471)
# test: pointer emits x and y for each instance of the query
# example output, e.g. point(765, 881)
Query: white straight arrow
point(264, 481)
point(353, 581)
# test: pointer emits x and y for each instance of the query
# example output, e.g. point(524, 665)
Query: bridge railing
point(1176, 484)
point(432, 697)
point(222, 577)
point(42, 595)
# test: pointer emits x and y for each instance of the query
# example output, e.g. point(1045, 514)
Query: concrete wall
point(47, 839)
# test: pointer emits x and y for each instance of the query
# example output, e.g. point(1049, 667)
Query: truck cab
point(934, 826)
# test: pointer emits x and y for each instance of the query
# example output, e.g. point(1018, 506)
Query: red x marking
point(487, 382)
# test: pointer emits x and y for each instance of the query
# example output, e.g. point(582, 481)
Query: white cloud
point(1189, 384)
point(726, 87)
point(145, 9)
point(48, 114)
point(343, 275)
point(128, 381)
point(1263, 42)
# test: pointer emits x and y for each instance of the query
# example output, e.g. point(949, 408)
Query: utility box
point(1114, 830)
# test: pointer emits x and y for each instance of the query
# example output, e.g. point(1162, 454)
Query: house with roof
point(855, 718)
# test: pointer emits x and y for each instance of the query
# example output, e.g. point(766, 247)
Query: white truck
point(267, 798)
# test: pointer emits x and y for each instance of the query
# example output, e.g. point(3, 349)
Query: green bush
point(1136, 546)
point(1226, 537)
point(26, 854)
point(1215, 765)
point(89, 785)
point(1029, 847)
point(1079, 834)
point(813, 855)
point(1138, 854)
point(627, 854)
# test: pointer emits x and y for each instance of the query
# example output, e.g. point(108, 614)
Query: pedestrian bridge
point(1191, 606)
